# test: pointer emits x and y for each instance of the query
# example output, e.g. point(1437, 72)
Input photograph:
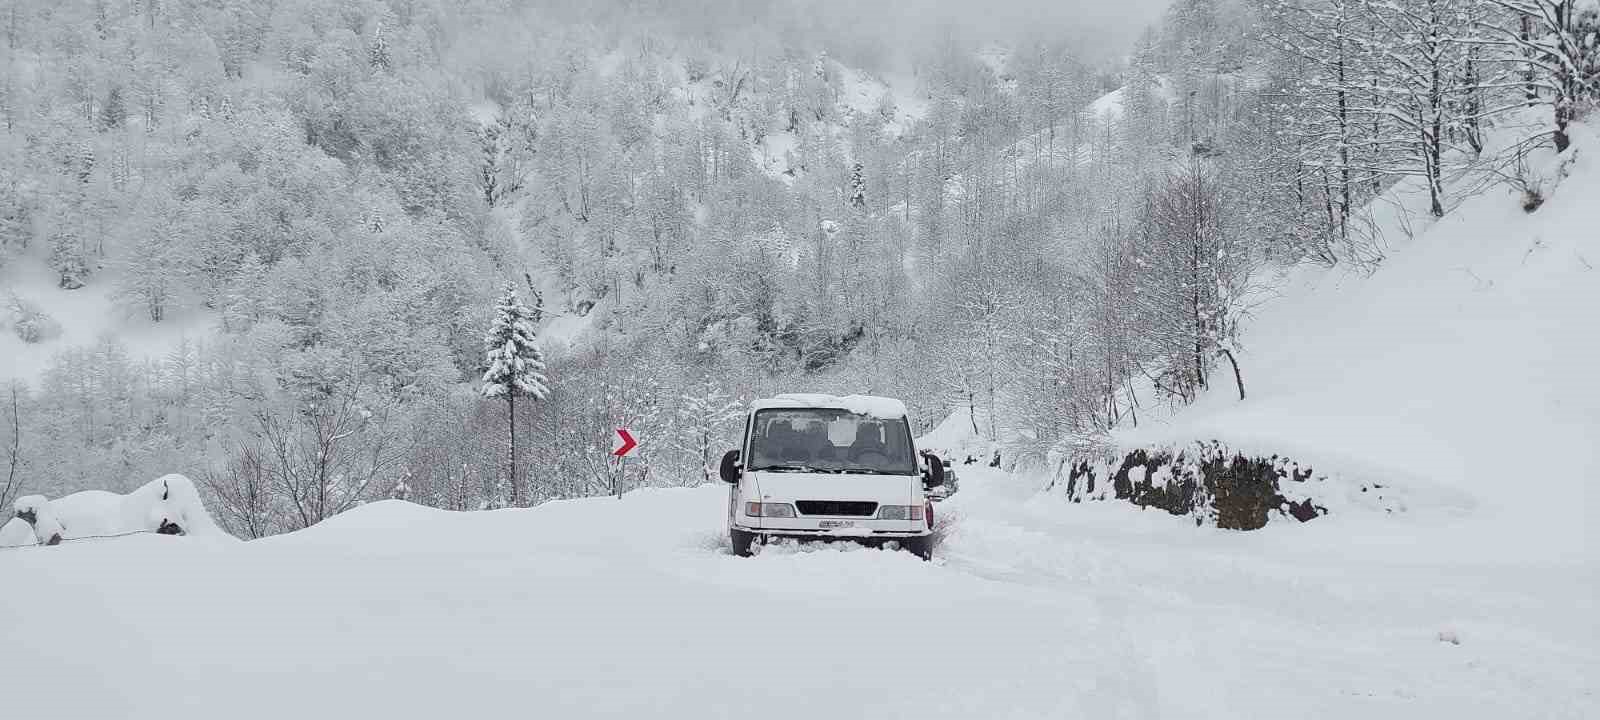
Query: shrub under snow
point(169, 504)
point(31, 324)
point(15, 532)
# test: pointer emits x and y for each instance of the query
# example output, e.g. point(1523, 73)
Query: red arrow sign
point(628, 443)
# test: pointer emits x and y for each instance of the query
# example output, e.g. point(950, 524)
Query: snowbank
point(956, 439)
point(170, 502)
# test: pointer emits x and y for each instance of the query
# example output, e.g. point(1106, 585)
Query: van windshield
point(829, 440)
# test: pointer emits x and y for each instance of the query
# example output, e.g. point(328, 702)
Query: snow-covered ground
point(85, 316)
point(632, 607)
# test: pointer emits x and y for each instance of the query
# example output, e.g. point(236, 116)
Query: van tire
point(741, 542)
point(921, 547)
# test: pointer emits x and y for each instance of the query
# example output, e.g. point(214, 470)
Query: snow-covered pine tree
point(515, 367)
point(115, 112)
point(66, 258)
point(16, 224)
point(378, 52)
point(858, 187)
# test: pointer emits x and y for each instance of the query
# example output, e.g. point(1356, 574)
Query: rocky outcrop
point(1217, 486)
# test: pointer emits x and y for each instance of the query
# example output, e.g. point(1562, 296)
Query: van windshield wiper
point(790, 468)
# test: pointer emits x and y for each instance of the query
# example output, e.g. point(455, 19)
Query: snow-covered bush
point(35, 510)
point(169, 505)
point(16, 532)
point(29, 322)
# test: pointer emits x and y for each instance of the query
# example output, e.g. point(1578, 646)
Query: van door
point(733, 488)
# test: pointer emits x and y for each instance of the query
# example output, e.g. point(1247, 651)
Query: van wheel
point(922, 547)
point(741, 542)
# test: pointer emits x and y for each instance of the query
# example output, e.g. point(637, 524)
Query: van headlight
point(900, 512)
point(771, 510)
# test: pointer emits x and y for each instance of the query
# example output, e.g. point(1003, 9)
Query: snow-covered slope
point(891, 102)
point(633, 608)
point(85, 316)
point(1461, 371)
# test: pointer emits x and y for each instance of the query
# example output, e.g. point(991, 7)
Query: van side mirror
point(934, 476)
point(731, 470)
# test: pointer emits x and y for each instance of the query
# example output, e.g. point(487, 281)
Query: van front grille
point(837, 508)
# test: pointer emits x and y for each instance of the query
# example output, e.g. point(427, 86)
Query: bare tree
point(1555, 41)
point(324, 453)
point(247, 501)
point(13, 486)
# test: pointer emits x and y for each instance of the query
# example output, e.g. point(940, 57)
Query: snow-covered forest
point(696, 203)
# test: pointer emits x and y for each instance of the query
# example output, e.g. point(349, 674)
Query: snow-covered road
point(632, 607)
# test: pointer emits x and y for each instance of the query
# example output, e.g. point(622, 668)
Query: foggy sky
point(1099, 26)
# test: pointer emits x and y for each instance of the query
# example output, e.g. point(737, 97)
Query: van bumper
point(861, 534)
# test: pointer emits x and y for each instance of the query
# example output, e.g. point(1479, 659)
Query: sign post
point(624, 447)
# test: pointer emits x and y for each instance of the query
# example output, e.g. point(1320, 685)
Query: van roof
point(870, 405)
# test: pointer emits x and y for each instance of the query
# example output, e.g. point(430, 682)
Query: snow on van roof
point(870, 405)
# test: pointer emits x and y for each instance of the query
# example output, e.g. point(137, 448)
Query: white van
point(821, 467)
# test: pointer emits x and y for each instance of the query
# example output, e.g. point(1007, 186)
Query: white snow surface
point(633, 608)
point(1460, 374)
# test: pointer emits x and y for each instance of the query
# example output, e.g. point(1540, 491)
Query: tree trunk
point(1530, 91)
point(1238, 379)
point(1436, 140)
point(1344, 149)
point(516, 487)
point(16, 450)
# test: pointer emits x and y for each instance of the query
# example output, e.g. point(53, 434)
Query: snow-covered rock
point(1214, 484)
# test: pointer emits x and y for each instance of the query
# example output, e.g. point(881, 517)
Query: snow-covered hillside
point(632, 607)
point(1461, 372)
point(84, 317)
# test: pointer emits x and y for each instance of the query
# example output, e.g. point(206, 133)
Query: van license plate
point(827, 524)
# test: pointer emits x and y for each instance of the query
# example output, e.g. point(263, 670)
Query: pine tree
point(516, 368)
point(858, 187)
point(66, 258)
point(16, 224)
point(378, 53)
point(115, 111)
